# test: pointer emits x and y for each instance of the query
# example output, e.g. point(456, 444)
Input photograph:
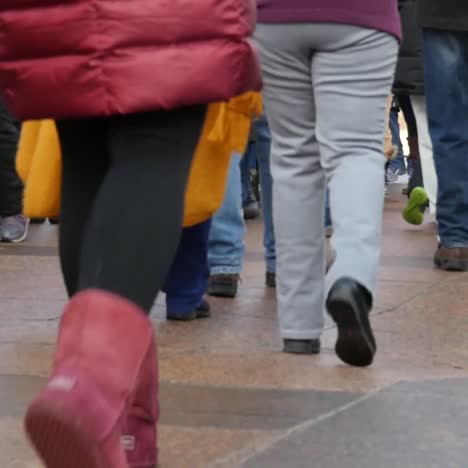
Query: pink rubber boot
point(77, 420)
point(139, 438)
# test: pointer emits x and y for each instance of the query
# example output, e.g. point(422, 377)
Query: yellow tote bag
point(226, 129)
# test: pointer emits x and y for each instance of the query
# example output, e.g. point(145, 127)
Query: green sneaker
point(414, 211)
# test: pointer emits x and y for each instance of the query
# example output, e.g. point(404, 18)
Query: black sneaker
point(251, 210)
point(202, 311)
point(349, 305)
point(270, 279)
point(302, 346)
point(37, 220)
point(224, 285)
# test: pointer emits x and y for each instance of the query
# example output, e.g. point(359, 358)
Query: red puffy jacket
point(80, 58)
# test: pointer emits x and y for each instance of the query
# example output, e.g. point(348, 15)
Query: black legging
point(124, 181)
point(11, 186)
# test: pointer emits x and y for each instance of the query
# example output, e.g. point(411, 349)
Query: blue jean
point(262, 148)
point(247, 164)
point(446, 77)
point(399, 161)
point(226, 240)
point(328, 218)
point(226, 248)
point(187, 280)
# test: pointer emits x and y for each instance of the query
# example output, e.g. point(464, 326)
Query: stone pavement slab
point(417, 425)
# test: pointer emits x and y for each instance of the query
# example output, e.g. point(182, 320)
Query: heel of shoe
point(349, 307)
point(71, 425)
point(59, 438)
point(139, 442)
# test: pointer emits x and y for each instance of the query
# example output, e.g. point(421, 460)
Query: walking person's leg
point(328, 218)
point(298, 187)
point(248, 163)
point(263, 143)
point(425, 151)
point(352, 70)
point(404, 101)
point(187, 280)
point(396, 167)
point(104, 383)
point(302, 118)
point(446, 78)
point(85, 163)
point(418, 201)
point(13, 225)
point(226, 242)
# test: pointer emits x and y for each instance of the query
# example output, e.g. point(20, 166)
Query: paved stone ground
point(230, 398)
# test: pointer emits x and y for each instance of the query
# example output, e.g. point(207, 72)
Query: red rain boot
point(77, 420)
point(139, 439)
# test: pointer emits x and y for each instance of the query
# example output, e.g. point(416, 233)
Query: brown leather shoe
point(451, 259)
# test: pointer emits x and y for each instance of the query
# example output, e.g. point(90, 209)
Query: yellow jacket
point(226, 130)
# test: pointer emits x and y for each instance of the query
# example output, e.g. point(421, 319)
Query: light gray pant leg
point(298, 183)
point(352, 75)
point(329, 113)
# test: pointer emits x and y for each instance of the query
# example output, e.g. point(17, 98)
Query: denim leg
point(399, 161)
point(446, 77)
point(426, 154)
point(226, 241)
point(263, 139)
point(187, 280)
point(328, 218)
point(248, 162)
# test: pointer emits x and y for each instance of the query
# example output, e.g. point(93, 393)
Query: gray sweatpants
point(326, 89)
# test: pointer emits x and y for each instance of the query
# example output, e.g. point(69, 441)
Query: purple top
point(376, 14)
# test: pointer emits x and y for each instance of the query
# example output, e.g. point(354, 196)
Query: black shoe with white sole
point(349, 304)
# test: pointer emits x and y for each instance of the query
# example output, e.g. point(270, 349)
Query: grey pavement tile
point(414, 425)
point(195, 406)
point(25, 250)
point(238, 408)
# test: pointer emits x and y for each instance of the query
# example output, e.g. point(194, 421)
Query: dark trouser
point(11, 186)
point(446, 78)
point(124, 181)
point(188, 277)
point(416, 179)
point(404, 102)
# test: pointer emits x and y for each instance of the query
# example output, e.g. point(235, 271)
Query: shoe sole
point(60, 439)
point(354, 345)
point(296, 348)
point(451, 265)
point(417, 200)
point(189, 317)
point(20, 239)
point(222, 291)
